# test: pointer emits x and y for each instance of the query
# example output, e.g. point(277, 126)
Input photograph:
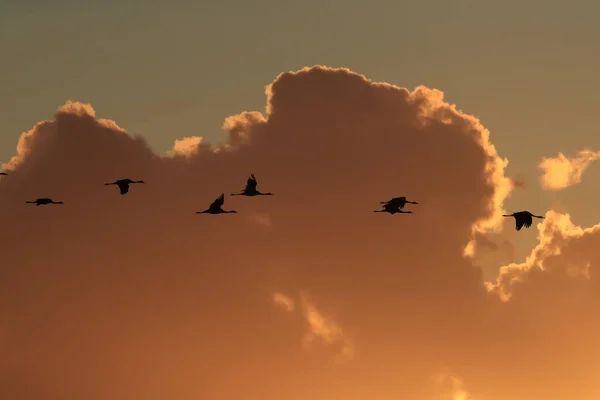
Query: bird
point(215, 207)
point(523, 219)
point(250, 189)
point(400, 201)
point(43, 201)
point(123, 184)
point(393, 208)
point(3, 173)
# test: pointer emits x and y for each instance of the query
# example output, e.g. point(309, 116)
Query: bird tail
point(31, 202)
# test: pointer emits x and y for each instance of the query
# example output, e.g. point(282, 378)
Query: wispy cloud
point(320, 326)
point(284, 302)
point(451, 387)
point(560, 172)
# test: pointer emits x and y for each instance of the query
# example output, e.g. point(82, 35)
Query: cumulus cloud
point(136, 296)
point(560, 172)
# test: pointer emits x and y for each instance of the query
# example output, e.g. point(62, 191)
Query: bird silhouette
point(400, 201)
point(250, 189)
point(522, 219)
point(393, 208)
point(43, 201)
point(3, 173)
point(123, 184)
point(215, 207)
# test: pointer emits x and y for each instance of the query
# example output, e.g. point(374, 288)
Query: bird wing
point(123, 187)
point(518, 223)
point(218, 203)
point(251, 183)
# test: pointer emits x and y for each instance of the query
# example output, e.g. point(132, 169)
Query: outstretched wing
point(123, 186)
point(218, 203)
point(251, 184)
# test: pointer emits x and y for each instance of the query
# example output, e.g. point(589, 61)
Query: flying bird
point(250, 189)
point(43, 201)
point(123, 184)
point(393, 208)
point(399, 201)
point(522, 219)
point(215, 207)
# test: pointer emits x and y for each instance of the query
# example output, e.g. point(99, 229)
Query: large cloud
point(560, 172)
point(305, 294)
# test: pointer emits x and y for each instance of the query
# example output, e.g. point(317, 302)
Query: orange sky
point(303, 295)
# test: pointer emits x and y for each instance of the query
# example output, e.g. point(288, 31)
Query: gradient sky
point(135, 297)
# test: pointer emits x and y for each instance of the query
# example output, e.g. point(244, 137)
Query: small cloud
point(561, 172)
point(326, 329)
point(284, 302)
point(450, 387)
point(320, 326)
point(186, 147)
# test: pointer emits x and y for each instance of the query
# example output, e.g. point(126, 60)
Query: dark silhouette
point(399, 201)
point(393, 208)
point(215, 207)
point(43, 201)
point(3, 173)
point(250, 189)
point(123, 184)
point(522, 219)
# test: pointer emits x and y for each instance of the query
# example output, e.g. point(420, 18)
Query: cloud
point(450, 387)
point(325, 328)
point(560, 172)
point(321, 327)
point(284, 302)
point(187, 147)
point(136, 296)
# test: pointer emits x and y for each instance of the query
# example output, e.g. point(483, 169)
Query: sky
point(471, 109)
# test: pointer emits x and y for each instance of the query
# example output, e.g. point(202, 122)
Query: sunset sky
point(473, 109)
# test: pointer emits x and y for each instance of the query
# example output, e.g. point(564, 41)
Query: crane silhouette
point(393, 208)
point(522, 219)
point(399, 201)
point(215, 207)
point(43, 201)
point(250, 189)
point(123, 184)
